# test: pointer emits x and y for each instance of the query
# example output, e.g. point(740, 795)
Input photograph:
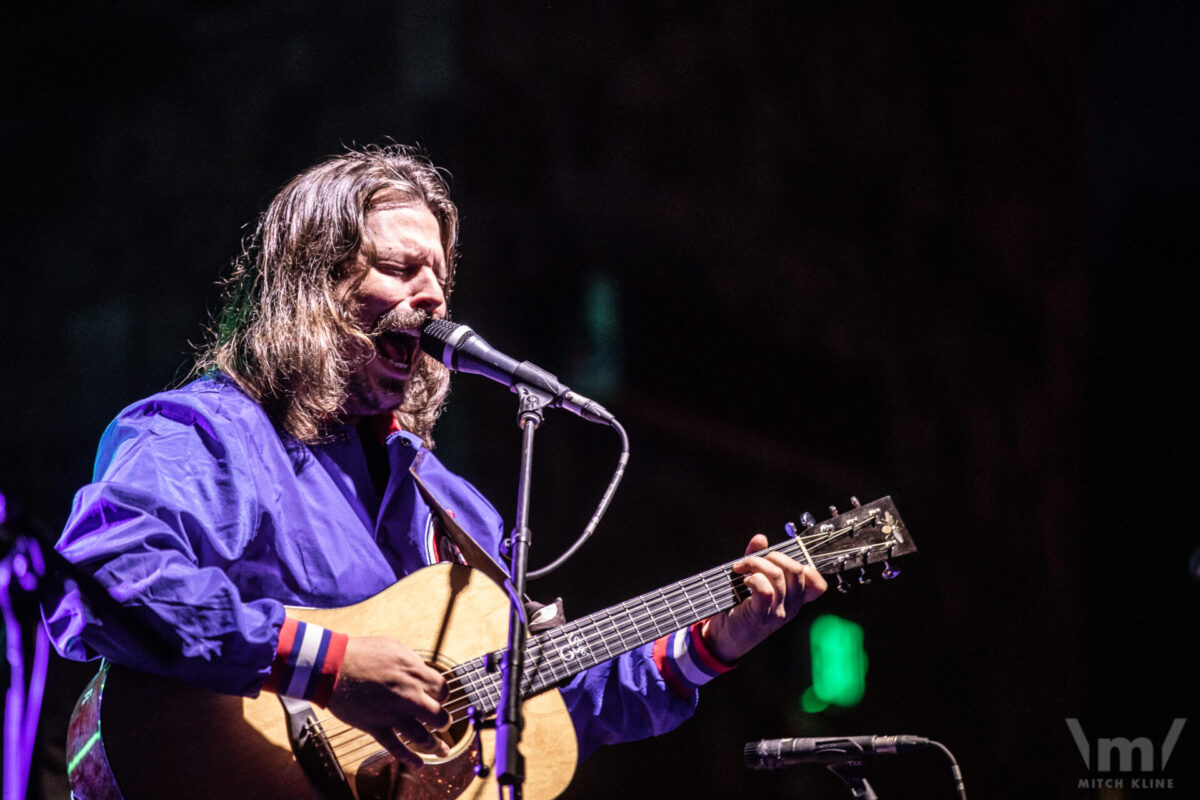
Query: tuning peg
point(833, 512)
point(854, 502)
point(790, 530)
point(862, 575)
point(807, 520)
point(842, 586)
point(889, 571)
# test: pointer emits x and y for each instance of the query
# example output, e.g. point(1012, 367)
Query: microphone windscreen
point(435, 334)
point(753, 757)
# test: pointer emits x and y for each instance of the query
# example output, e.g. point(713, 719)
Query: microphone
point(779, 753)
point(463, 350)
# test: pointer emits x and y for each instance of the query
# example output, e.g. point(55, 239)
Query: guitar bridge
point(313, 752)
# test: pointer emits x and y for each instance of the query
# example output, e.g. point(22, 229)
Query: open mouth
point(398, 348)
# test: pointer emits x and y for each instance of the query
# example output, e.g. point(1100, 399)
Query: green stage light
point(839, 662)
point(811, 703)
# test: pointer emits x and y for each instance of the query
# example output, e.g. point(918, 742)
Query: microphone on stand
point(779, 753)
point(463, 350)
point(844, 756)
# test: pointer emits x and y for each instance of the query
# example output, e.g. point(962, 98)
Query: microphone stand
point(854, 773)
point(510, 766)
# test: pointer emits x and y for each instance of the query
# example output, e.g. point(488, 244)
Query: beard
point(371, 391)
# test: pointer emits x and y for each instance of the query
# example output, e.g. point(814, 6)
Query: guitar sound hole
point(381, 777)
point(460, 735)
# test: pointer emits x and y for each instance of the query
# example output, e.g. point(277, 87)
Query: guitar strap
point(540, 617)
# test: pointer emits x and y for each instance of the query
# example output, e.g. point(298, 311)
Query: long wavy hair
point(287, 333)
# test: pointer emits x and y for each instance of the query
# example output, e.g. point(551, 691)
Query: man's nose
point(427, 295)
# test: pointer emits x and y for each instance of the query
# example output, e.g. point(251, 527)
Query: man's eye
point(397, 269)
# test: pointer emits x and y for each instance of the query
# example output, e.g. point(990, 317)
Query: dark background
point(941, 251)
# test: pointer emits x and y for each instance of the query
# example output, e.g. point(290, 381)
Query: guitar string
point(654, 606)
point(648, 612)
point(472, 682)
point(668, 600)
point(653, 609)
point(684, 589)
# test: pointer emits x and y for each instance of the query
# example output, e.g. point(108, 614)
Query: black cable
point(600, 509)
point(954, 770)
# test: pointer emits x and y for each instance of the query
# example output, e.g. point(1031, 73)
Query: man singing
point(280, 476)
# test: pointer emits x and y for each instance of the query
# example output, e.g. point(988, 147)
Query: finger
point(431, 679)
point(437, 687)
point(431, 712)
point(757, 542)
point(792, 569)
point(438, 719)
point(418, 737)
point(814, 584)
point(439, 748)
point(797, 576)
point(765, 594)
point(416, 704)
point(804, 582)
point(391, 742)
point(773, 573)
point(761, 599)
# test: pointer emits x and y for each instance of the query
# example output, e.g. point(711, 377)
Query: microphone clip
point(854, 775)
point(531, 402)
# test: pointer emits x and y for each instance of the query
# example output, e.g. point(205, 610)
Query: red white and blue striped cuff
point(686, 662)
point(307, 660)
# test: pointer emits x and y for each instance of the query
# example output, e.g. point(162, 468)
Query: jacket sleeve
point(169, 494)
point(623, 700)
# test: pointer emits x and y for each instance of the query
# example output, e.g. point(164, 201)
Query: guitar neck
point(851, 540)
point(558, 654)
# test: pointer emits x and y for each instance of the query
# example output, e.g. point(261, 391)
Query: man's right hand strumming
point(384, 689)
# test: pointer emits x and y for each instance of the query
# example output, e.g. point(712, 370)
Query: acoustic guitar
point(139, 736)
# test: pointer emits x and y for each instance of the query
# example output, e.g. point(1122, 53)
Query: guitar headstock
point(868, 533)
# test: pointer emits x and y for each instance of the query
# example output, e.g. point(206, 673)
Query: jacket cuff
point(685, 660)
point(307, 661)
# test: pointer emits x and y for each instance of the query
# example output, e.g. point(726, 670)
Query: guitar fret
point(611, 616)
point(554, 660)
point(692, 607)
point(661, 629)
point(604, 641)
point(540, 657)
point(477, 685)
point(649, 613)
point(533, 666)
point(633, 620)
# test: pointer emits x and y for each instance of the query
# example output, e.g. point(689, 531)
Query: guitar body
point(165, 738)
